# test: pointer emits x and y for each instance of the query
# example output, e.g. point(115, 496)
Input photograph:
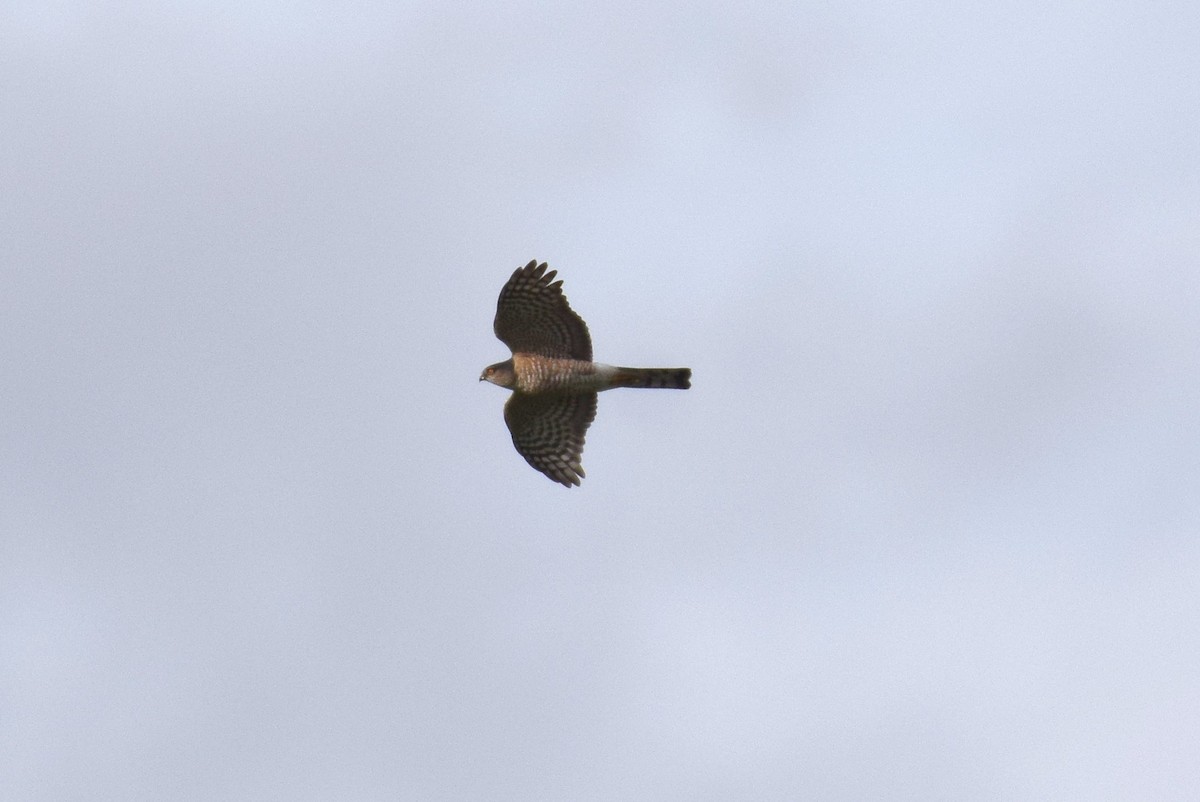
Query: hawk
point(551, 374)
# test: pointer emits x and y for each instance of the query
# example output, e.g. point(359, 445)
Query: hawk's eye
point(491, 371)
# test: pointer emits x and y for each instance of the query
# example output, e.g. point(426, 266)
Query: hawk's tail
point(670, 378)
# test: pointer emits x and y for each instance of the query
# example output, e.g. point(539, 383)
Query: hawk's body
point(552, 375)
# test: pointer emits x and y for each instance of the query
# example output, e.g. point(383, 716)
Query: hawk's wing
point(532, 315)
point(548, 431)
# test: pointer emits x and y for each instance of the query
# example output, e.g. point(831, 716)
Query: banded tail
point(669, 378)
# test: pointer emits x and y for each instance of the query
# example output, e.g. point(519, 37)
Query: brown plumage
point(552, 375)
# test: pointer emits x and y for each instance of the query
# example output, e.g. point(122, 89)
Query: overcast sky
point(924, 527)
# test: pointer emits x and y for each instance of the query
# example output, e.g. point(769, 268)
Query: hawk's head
point(500, 373)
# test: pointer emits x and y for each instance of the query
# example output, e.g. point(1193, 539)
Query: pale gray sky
point(925, 527)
